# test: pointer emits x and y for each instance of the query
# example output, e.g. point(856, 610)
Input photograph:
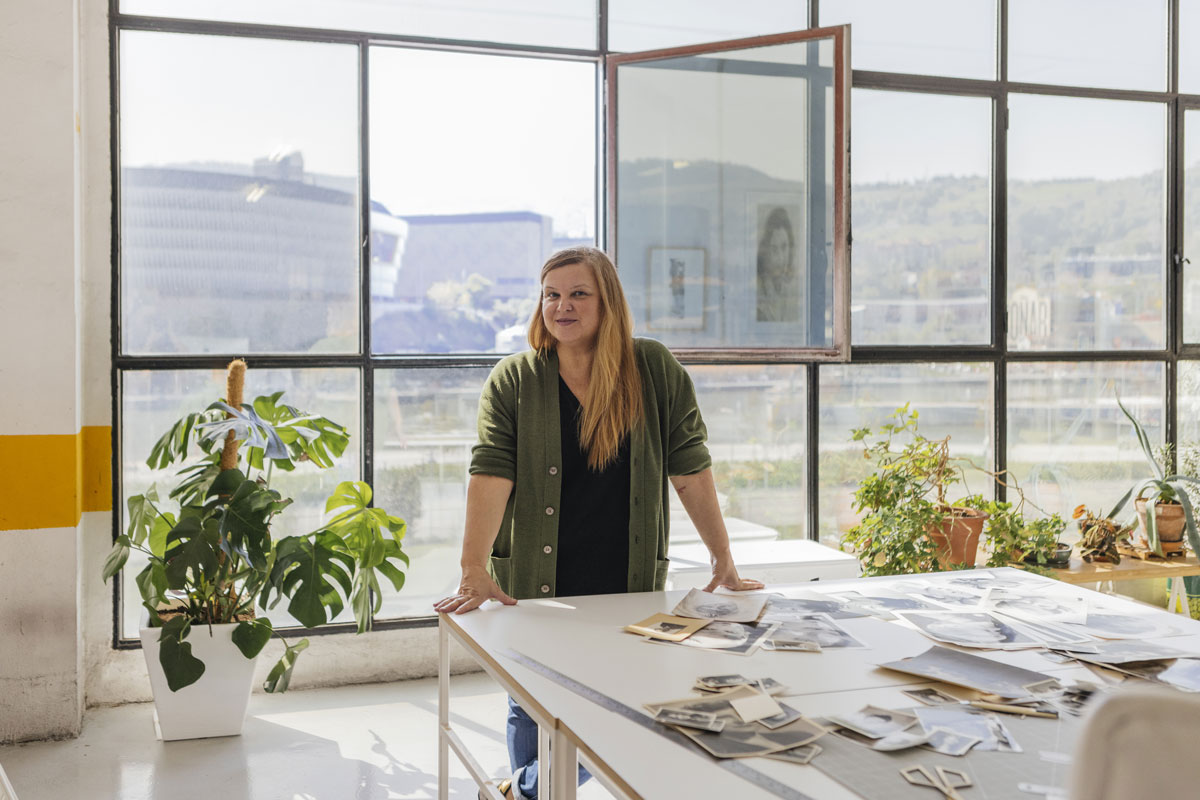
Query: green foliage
point(1012, 538)
point(213, 554)
point(904, 497)
point(1159, 488)
point(1099, 536)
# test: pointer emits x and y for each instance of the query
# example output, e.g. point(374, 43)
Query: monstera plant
point(212, 538)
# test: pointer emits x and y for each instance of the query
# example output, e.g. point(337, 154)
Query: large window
point(361, 209)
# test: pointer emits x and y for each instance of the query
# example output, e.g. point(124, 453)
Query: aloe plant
point(212, 556)
point(1159, 488)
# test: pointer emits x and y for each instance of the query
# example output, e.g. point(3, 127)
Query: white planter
point(215, 705)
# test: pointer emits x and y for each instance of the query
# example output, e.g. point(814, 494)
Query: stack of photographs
point(667, 627)
point(887, 730)
point(697, 604)
point(714, 684)
point(728, 637)
point(970, 629)
point(804, 604)
point(989, 729)
point(812, 632)
point(734, 737)
point(969, 670)
point(881, 603)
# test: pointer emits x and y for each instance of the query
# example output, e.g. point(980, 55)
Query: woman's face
point(779, 253)
point(571, 305)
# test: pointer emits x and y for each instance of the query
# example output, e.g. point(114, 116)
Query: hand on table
point(475, 587)
point(725, 574)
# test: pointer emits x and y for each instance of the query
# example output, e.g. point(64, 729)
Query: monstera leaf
point(246, 425)
point(243, 510)
point(173, 445)
point(179, 665)
point(306, 436)
point(310, 571)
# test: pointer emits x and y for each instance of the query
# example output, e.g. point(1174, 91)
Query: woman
point(578, 438)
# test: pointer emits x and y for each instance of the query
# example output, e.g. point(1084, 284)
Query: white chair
point(1140, 743)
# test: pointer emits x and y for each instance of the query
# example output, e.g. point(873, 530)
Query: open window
point(728, 194)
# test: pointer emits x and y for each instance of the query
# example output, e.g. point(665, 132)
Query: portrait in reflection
point(778, 272)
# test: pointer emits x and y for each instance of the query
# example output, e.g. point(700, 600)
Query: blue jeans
point(523, 753)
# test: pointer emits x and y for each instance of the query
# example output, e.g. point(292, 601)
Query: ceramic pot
point(216, 704)
point(1168, 520)
point(957, 539)
point(1060, 558)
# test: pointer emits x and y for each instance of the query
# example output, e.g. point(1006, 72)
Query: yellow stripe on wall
point(49, 480)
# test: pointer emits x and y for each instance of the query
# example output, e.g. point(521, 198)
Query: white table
point(775, 563)
point(581, 637)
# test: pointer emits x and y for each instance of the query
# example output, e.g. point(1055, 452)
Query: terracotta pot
point(957, 539)
point(1168, 520)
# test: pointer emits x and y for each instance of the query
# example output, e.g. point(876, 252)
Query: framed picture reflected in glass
point(777, 245)
point(675, 281)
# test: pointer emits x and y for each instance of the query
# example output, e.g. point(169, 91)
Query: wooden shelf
point(1131, 568)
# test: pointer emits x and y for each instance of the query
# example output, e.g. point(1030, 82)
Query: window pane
point(637, 25)
point(1110, 44)
point(756, 422)
point(1188, 456)
point(1068, 442)
point(550, 23)
point(923, 37)
point(1191, 225)
point(465, 211)
point(424, 431)
point(922, 219)
point(1086, 227)
point(151, 401)
point(723, 193)
point(954, 400)
point(239, 195)
point(1189, 47)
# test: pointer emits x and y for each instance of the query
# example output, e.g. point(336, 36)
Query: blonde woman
point(565, 430)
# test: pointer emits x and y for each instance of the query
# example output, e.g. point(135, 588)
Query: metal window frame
point(1176, 105)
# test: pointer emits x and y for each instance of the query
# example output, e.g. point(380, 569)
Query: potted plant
point(1099, 536)
point(1163, 506)
point(909, 525)
point(1014, 539)
point(215, 555)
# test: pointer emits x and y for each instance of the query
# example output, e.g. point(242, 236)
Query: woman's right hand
point(475, 587)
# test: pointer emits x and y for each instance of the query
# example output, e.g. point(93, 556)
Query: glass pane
point(239, 195)
point(469, 198)
point(923, 37)
point(866, 395)
point(1110, 44)
point(1086, 226)
point(550, 23)
point(151, 401)
point(424, 431)
point(756, 421)
point(725, 183)
point(921, 204)
point(1188, 455)
point(1189, 47)
point(637, 25)
point(1068, 442)
point(1191, 225)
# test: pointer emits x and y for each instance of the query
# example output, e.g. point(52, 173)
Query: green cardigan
point(519, 440)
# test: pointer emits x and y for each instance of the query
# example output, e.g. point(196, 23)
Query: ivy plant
point(211, 544)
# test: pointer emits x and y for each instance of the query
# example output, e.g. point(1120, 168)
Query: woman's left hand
point(726, 574)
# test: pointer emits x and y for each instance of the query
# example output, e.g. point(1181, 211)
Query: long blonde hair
point(614, 397)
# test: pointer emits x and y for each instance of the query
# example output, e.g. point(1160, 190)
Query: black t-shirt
point(593, 526)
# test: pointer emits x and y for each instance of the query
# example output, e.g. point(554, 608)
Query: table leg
point(443, 712)
point(545, 750)
point(564, 771)
point(1177, 601)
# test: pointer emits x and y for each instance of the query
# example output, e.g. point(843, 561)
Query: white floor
point(353, 742)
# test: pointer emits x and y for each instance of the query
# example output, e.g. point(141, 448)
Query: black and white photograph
point(992, 733)
point(797, 755)
point(722, 681)
point(786, 715)
point(1037, 606)
point(905, 739)
point(779, 260)
point(882, 604)
point(980, 581)
point(781, 609)
point(940, 595)
point(701, 720)
point(698, 604)
point(969, 629)
point(969, 670)
point(1128, 626)
point(1182, 673)
point(872, 721)
point(793, 645)
point(931, 697)
point(1125, 652)
point(949, 742)
point(665, 626)
point(675, 284)
point(728, 637)
point(817, 628)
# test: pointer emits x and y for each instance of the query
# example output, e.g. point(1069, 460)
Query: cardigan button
point(549, 511)
point(547, 549)
point(545, 589)
point(554, 470)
